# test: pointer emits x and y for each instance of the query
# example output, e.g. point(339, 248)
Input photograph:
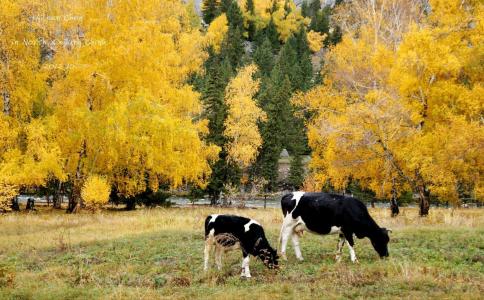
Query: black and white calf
point(323, 213)
point(227, 232)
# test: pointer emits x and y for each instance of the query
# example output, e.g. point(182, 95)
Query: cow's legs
point(218, 256)
point(351, 243)
point(339, 249)
point(245, 266)
point(286, 231)
point(295, 243)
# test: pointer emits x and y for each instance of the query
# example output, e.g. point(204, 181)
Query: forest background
point(132, 101)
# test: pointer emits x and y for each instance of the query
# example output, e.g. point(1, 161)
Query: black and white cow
point(323, 213)
point(227, 232)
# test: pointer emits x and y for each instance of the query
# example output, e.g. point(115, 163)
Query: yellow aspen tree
point(125, 109)
point(287, 17)
point(437, 77)
point(29, 154)
point(241, 125)
point(403, 107)
point(315, 40)
point(216, 32)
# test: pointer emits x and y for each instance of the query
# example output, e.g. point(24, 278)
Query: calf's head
point(267, 254)
point(380, 242)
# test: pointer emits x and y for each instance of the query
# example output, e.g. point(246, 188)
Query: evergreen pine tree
point(275, 100)
point(305, 12)
point(210, 10)
point(264, 58)
point(278, 113)
point(271, 33)
point(225, 5)
point(314, 8)
point(296, 172)
point(234, 14)
point(320, 20)
point(305, 64)
point(251, 29)
point(233, 46)
point(218, 70)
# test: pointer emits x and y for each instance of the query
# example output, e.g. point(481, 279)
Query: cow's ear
point(388, 230)
point(257, 242)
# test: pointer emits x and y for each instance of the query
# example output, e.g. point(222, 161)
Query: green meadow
point(158, 254)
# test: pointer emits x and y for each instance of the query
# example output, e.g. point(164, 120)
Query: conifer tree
point(271, 33)
point(296, 172)
point(264, 58)
point(277, 108)
point(304, 55)
point(234, 45)
point(218, 70)
point(251, 28)
point(305, 12)
point(210, 10)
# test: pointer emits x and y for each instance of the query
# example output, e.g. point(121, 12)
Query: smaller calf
point(227, 232)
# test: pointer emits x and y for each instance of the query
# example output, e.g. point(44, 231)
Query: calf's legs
point(245, 266)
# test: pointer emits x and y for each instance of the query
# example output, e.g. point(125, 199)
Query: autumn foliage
point(105, 94)
point(243, 118)
point(401, 106)
point(95, 191)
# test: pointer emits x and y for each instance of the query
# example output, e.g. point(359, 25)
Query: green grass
point(158, 253)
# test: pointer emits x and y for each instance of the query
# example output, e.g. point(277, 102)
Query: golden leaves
point(241, 125)
point(117, 104)
point(315, 40)
point(217, 32)
point(410, 113)
point(95, 191)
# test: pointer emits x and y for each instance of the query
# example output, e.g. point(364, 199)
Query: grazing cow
point(229, 232)
point(323, 213)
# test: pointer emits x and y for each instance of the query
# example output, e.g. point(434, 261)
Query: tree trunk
point(15, 205)
point(394, 207)
point(6, 102)
point(393, 202)
point(30, 204)
point(75, 200)
point(424, 201)
point(214, 198)
point(57, 197)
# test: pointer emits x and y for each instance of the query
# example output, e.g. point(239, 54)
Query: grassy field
point(158, 253)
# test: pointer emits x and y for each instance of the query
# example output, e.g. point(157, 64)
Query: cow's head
point(267, 254)
point(380, 242)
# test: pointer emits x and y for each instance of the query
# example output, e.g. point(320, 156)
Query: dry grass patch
point(158, 254)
